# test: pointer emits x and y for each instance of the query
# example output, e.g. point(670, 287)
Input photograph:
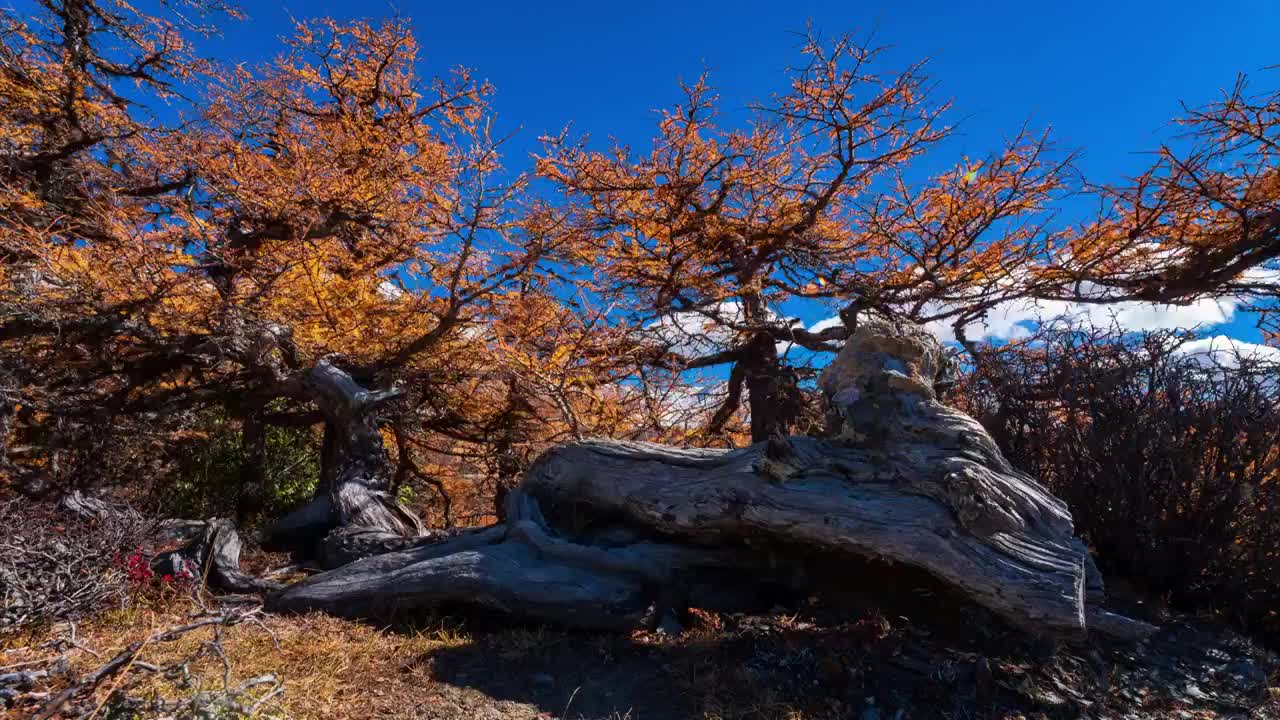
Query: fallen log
point(209, 554)
point(611, 534)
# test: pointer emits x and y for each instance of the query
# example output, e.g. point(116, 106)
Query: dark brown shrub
point(58, 565)
point(1169, 460)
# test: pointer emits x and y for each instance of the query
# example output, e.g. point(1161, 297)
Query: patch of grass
point(331, 668)
point(780, 667)
point(442, 634)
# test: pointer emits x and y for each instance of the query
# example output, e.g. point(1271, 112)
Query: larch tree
point(719, 227)
point(322, 224)
point(1202, 221)
point(325, 240)
point(329, 239)
point(77, 190)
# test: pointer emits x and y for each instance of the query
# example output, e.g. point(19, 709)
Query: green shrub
point(208, 480)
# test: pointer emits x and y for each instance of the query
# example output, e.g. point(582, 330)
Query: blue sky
point(1106, 76)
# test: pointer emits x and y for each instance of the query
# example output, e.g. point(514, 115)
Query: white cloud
point(703, 332)
point(679, 406)
point(390, 290)
point(826, 323)
point(1149, 316)
point(1261, 275)
point(1015, 319)
point(1223, 351)
point(695, 333)
point(689, 406)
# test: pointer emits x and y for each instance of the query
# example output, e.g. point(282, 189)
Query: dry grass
point(331, 668)
point(334, 668)
point(776, 667)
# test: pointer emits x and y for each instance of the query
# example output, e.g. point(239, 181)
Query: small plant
point(142, 578)
point(1169, 458)
point(137, 569)
point(208, 482)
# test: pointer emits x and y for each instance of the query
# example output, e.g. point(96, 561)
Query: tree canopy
point(180, 235)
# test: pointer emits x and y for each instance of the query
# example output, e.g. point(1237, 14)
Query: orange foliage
point(1202, 221)
point(808, 200)
point(335, 201)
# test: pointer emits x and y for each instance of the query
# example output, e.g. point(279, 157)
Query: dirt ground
point(782, 666)
point(802, 663)
point(882, 644)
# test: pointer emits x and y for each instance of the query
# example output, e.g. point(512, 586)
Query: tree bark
point(760, 372)
point(609, 534)
point(210, 554)
point(352, 514)
point(253, 445)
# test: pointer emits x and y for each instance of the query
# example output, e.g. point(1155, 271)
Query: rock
point(1244, 675)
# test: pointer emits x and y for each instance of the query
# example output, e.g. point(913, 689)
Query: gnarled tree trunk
point(632, 531)
point(353, 513)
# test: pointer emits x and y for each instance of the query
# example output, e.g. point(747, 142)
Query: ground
point(805, 663)
point(879, 643)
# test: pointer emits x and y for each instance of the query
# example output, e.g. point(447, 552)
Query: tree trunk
point(761, 372)
point(772, 393)
point(507, 465)
point(352, 514)
point(633, 529)
point(253, 445)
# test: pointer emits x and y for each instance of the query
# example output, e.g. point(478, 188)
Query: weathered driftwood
point(637, 529)
point(522, 568)
point(209, 554)
point(87, 507)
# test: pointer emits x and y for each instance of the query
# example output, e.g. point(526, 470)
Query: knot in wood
point(883, 355)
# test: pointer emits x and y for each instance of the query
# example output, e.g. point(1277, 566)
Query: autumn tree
point(329, 239)
point(77, 183)
point(555, 369)
point(720, 227)
point(327, 222)
point(1202, 221)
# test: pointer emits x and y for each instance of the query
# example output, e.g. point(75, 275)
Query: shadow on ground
point(808, 664)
